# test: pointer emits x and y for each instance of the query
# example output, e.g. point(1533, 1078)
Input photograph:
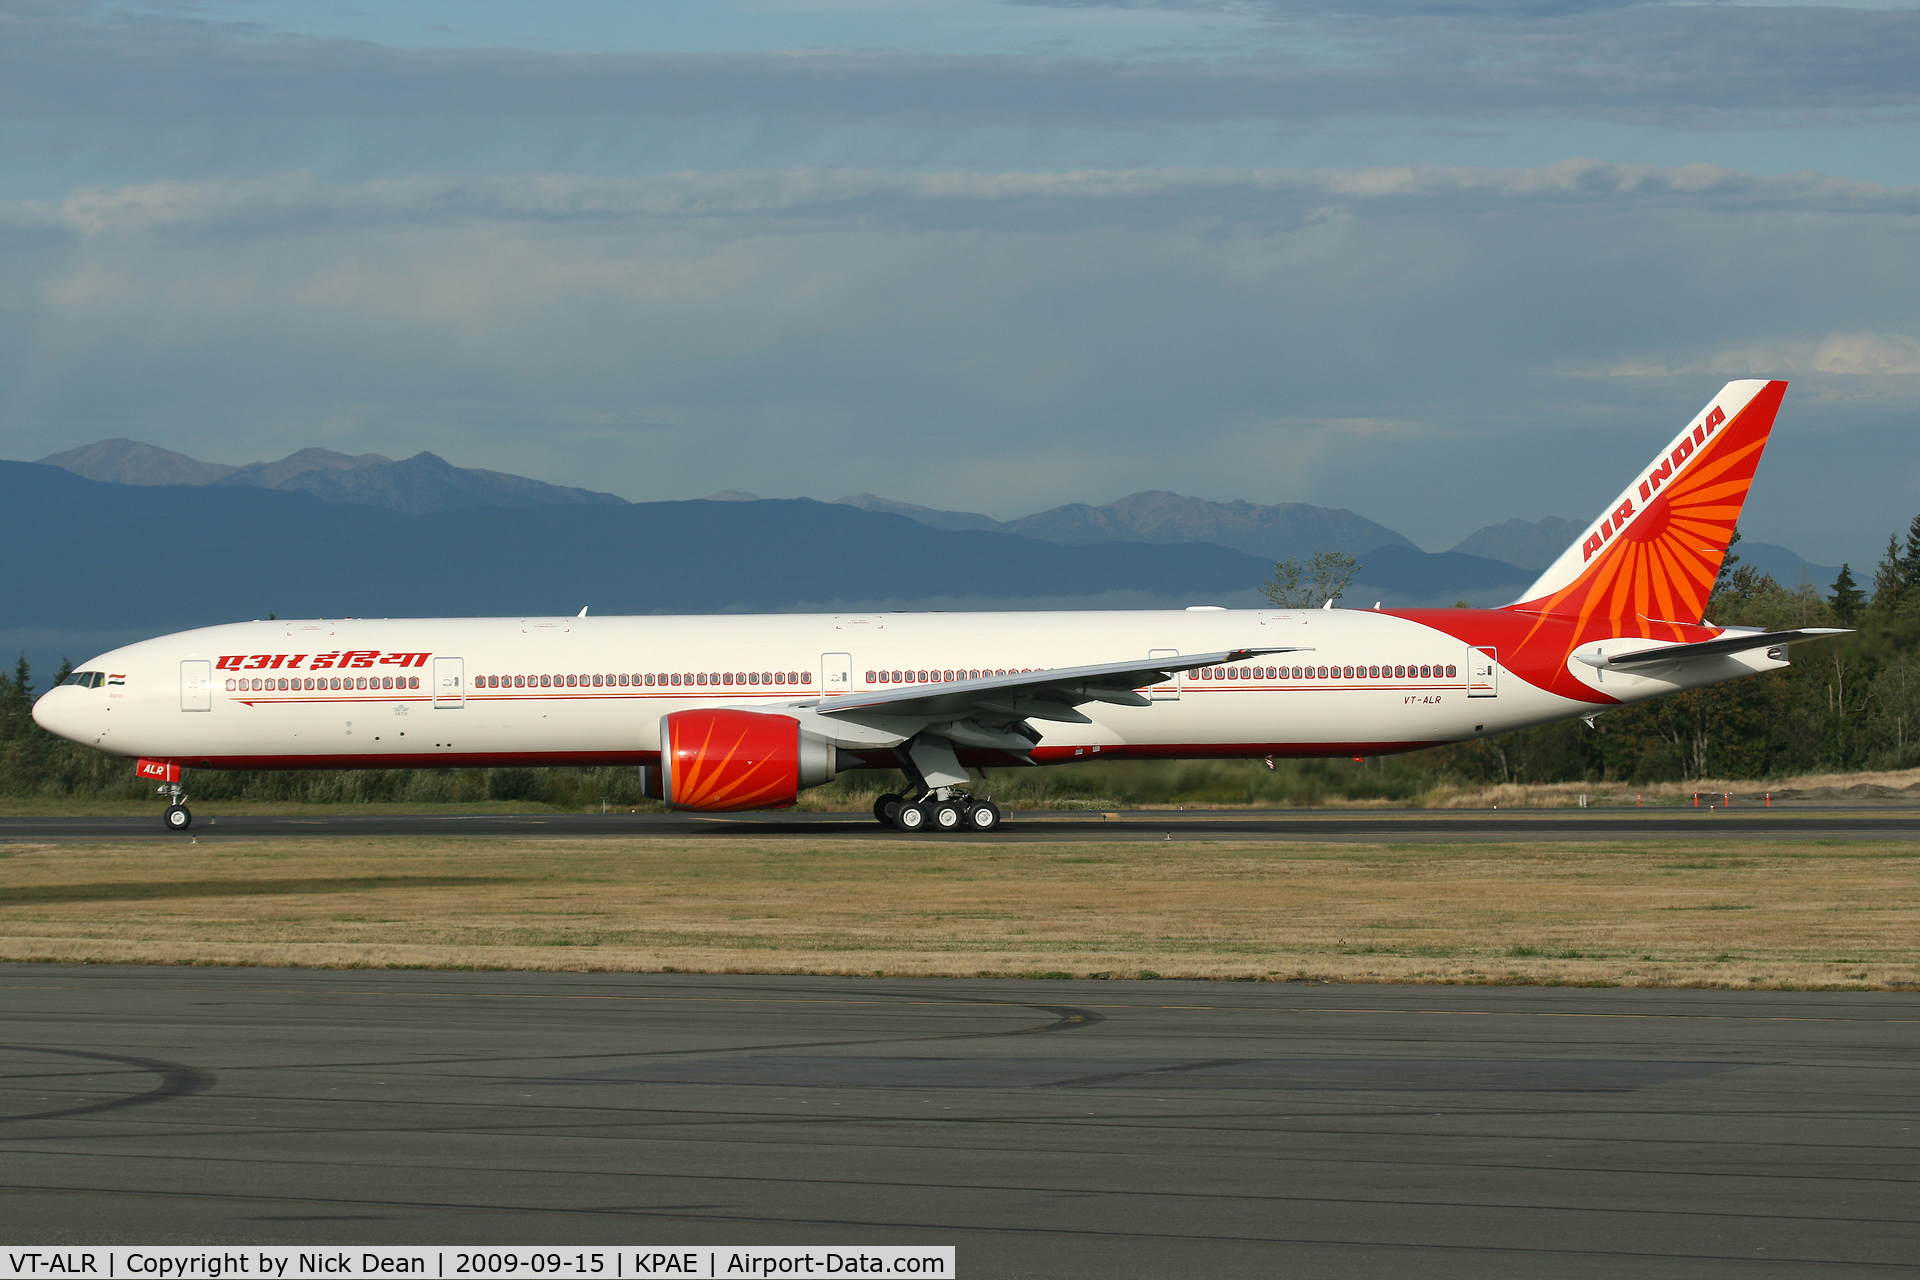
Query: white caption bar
point(685, 1262)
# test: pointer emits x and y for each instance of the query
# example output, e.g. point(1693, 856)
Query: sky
point(1441, 262)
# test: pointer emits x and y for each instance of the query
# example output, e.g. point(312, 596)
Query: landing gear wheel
point(885, 809)
point(948, 815)
point(911, 817)
point(984, 816)
point(179, 817)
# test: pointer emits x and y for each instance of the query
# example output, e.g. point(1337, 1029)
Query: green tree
point(1894, 720)
point(1889, 579)
point(1847, 599)
point(1323, 578)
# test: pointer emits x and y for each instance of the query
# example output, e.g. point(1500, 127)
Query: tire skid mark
point(177, 1080)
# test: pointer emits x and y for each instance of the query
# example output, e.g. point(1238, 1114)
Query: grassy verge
point(1694, 913)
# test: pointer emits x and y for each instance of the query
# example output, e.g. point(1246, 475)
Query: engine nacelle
point(717, 760)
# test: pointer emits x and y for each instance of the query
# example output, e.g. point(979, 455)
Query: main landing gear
point(941, 809)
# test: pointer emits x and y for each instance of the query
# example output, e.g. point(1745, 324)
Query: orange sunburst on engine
point(718, 760)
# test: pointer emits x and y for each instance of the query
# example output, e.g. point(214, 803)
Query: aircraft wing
point(1732, 642)
point(1031, 695)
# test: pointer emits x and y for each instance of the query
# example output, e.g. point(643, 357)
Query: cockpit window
point(87, 679)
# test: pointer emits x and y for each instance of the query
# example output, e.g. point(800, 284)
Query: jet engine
point(716, 760)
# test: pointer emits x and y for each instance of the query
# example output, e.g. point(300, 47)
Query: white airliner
point(732, 713)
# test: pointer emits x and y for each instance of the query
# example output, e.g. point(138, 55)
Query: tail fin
point(1655, 552)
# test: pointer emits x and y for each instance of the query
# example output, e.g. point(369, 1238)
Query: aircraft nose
point(59, 712)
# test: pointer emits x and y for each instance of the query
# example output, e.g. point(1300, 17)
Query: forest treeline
point(1846, 704)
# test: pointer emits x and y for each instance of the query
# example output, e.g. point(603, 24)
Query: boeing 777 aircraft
point(730, 713)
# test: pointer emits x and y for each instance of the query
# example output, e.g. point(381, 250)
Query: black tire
point(179, 817)
point(912, 818)
point(949, 815)
point(984, 817)
point(885, 808)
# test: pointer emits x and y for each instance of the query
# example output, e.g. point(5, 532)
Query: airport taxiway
point(1069, 1129)
point(1810, 822)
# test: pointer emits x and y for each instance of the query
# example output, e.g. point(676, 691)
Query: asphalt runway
point(1364, 826)
point(1069, 1129)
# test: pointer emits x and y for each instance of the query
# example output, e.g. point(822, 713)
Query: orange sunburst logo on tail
point(1654, 556)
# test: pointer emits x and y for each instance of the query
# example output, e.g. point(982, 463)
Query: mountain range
point(418, 485)
point(166, 541)
point(1275, 532)
point(426, 483)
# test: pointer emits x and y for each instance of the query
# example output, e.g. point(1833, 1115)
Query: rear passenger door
point(1483, 672)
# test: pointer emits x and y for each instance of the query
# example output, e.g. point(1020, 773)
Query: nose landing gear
point(178, 816)
point(167, 773)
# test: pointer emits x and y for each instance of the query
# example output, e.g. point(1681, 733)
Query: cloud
point(279, 203)
point(1508, 10)
point(1381, 339)
point(1672, 64)
point(1845, 355)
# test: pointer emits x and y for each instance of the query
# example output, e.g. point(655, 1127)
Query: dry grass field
point(1746, 792)
point(1807, 914)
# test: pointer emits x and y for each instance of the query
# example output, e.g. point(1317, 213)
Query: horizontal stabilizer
point(1733, 642)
